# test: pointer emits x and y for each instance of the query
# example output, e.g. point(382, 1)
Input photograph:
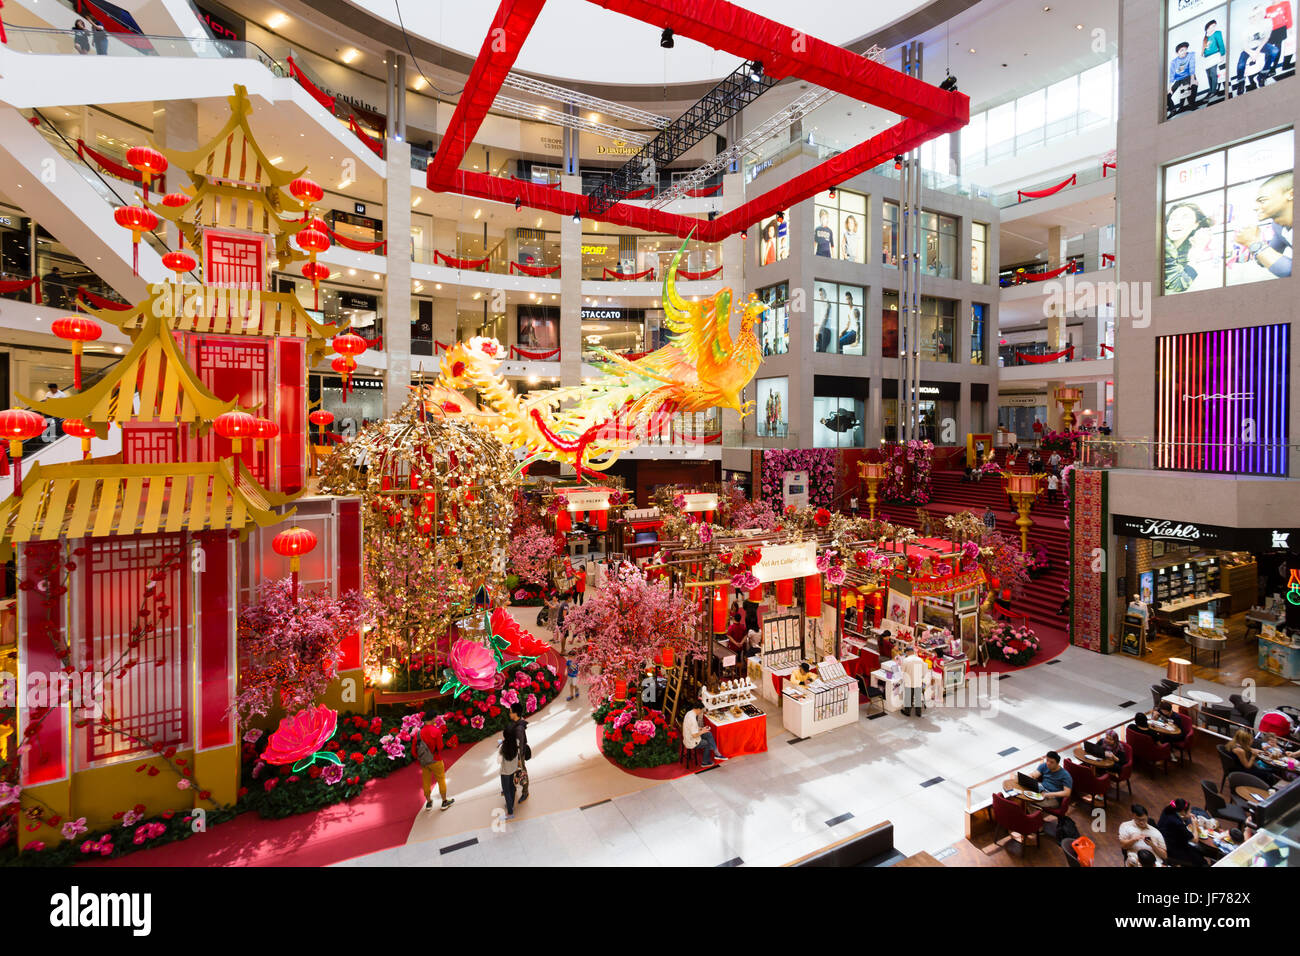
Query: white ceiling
point(577, 40)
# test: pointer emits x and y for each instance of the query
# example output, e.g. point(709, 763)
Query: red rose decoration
point(822, 517)
point(372, 751)
point(357, 758)
point(300, 735)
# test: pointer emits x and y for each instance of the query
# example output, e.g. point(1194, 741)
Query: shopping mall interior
point(791, 435)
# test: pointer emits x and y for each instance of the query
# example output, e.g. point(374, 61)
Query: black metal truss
point(729, 97)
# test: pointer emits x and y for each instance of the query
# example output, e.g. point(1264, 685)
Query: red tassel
point(76, 370)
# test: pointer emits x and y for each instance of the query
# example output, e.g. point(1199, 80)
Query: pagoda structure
point(131, 568)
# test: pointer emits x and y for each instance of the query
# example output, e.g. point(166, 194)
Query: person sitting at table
point(1054, 781)
point(1242, 747)
point(1145, 858)
point(1143, 726)
point(1175, 825)
point(1138, 835)
point(1116, 748)
point(1274, 745)
point(802, 674)
point(695, 736)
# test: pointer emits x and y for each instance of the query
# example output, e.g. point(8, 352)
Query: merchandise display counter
point(1279, 654)
point(739, 726)
point(830, 701)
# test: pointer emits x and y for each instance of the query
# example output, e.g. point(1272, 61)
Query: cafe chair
point(1170, 686)
point(1123, 774)
point(1244, 709)
point(1019, 823)
point(1184, 743)
point(1220, 808)
point(1091, 786)
point(1146, 749)
point(1240, 778)
point(1216, 716)
point(1158, 694)
point(1054, 815)
point(1227, 761)
point(872, 695)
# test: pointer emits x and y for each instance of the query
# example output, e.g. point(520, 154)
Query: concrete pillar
point(1055, 248)
point(397, 283)
point(570, 291)
point(964, 423)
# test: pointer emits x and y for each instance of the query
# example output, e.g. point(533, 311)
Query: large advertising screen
point(1228, 216)
point(773, 420)
point(1217, 50)
point(1221, 400)
point(774, 239)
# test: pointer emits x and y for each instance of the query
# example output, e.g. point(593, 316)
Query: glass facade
point(774, 329)
point(837, 317)
point(840, 225)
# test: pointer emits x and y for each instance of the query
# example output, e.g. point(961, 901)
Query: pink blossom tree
point(530, 552)
point(628, 622)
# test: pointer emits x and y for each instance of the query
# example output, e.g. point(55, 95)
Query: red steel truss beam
point(926, 110)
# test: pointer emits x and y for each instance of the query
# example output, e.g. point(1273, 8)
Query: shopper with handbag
point(428, 751)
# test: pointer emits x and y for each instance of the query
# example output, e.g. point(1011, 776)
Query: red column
point(349, 573)
point(292, 408)
point(41, 619)
point(215, 651)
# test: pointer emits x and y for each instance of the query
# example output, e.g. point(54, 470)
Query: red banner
point(456, 263)
point(530, 354)
point(376, 146)
point(1043, 358)
point(18, 285)
point(356, 245)
point(538, 272)
point(1044, 276)
point(554, 185)
point(98, 301)
point(640, 193)
point(611, 274)
point(440, 347)
point(1023, 194)
point(701, 193)
point(696, 276)
point(320, 96)
point(114, 168)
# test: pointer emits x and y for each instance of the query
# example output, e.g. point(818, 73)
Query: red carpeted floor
point(378, 819)
point(1051, 643)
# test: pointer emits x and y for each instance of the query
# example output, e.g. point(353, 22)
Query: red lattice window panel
point(149, 703)
point(149, 445)
point(238, 368)
point(232, 259)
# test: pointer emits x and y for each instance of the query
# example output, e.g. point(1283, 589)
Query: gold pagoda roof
point(156, 373)
point(99, 499)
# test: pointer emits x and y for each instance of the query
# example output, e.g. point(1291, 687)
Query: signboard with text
point(781, 562)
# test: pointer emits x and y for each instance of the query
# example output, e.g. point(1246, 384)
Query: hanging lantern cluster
point(314, 242)
point(149, 162)
point(306, 192)
point(77, 329)
point(17, 425)
point(349, 345)
point(139, 219)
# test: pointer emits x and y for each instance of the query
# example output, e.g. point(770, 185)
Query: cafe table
point(1099, 763)
point(1164, 727)
point(1252, 794)
point(1204, 697)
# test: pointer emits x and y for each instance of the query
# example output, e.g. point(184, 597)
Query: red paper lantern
point(17, 425)
point(812, 595)
point(602, 520)
point(563, 522)
point(344, 365)
point(149, 162)
point(235, 426)
point(179, 262)
point(293, 544)
point(313, 241)
point(620, 689)
point(668, 657)
point(306, 192)
point(349, 343)
point(320, 225)
point(175, 200)
point(76, 329)
point(138, 219)
point(321, 417)
point(756, 594)
point(79, 429)
point(264, 429)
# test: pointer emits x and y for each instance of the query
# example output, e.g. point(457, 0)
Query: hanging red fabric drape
point(530, 354)
point(114, 168)
point(1106, 166)
point(640, 193)
point(1023, 194)
point(98, 301)
point(18, 285)
point(375, 343)
point(1107, 348)
point(1044, 276)
point(632, 356)
point(1107, 257)
point(611, 274)
point(1045, 357)
point(456, 263)
point(376, 146)
point(440, 346)
point(554, 185)
point(537, 272)
point(701, 193)
point(319, 95)
point(696, 276)
point(357, 245)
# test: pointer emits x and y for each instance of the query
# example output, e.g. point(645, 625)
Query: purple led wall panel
point(1222, 402)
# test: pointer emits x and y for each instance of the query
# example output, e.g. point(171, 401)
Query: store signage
point(794, 488)
point(1255, 540)
point(617, 315)
point(619, 148)
point(780, 562)
point(700, 501)
point(1022, 401)
point(221, 27)
point(641, 514)
point(594, 250)
point(928, 390)
point(359, 208)
point(596, 500)
point(963, 580)
point(355, 300)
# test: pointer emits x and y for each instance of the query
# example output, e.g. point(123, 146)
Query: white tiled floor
point(768, 808)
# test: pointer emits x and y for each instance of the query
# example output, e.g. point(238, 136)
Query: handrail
point(47, 40)
point(72, 152)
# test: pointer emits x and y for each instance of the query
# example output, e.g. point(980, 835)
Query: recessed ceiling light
point(277, 20)
point(117, 349)
point(477, 213)
point(437, 285)
point(972, 49)
point(416, 201)
point(276, 160)
point(352, 272)
point(1047, 9)
point(350, 54)
point(420, 83)
point(376, 276)
point(594, 117)
point(1078, 26)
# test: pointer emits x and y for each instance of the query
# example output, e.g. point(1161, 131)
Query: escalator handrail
point(270, 62)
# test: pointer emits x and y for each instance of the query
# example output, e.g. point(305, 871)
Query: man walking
point(428, 751)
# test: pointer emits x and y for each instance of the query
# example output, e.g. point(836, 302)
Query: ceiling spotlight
point(666, 38)
point(780, 217)
point(898, 161)
point(713, 214)
point(949, 83)
point(756, 70)
point(577, 219)
point(519, 204)
point(830, 193)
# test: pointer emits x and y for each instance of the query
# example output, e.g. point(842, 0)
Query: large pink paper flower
point(300, 735)
point(473, 665)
